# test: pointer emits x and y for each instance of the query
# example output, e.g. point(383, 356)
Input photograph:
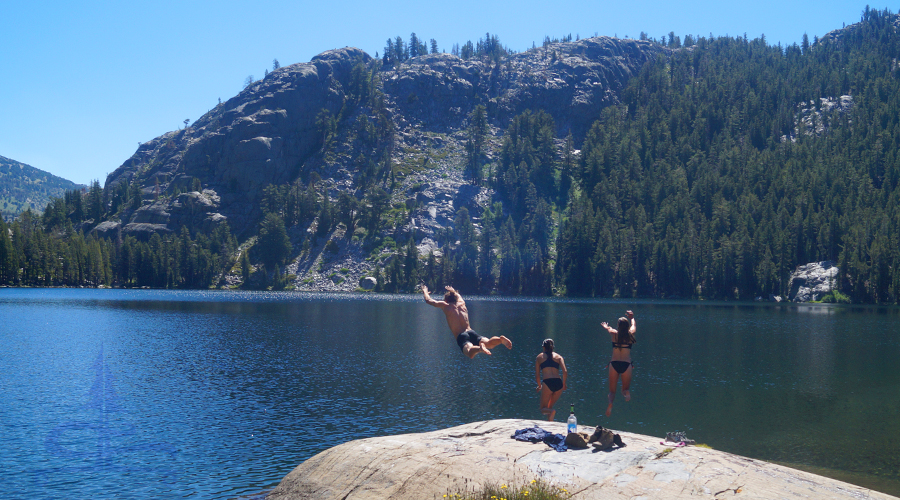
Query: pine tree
point(274, 244)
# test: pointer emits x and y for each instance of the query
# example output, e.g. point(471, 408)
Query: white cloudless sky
point(84, 82)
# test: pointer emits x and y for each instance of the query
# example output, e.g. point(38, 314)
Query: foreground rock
point(428, 465)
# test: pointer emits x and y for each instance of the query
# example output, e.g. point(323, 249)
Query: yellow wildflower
point(503, 487)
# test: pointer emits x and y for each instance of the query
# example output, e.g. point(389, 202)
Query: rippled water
point(161, 394)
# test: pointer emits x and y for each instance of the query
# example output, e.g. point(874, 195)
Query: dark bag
point(577, 440)
point(602, 438)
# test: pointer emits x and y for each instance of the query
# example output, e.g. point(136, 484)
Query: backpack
point(602, 438)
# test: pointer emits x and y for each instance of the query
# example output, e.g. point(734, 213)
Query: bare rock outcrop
point(431, 464)
point(810, 282)
point(573, 81)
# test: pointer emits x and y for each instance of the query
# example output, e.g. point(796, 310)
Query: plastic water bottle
point(572, 422)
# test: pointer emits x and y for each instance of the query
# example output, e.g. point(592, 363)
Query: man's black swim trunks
point(468, 336)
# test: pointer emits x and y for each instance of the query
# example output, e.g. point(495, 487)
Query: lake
point(209, 394)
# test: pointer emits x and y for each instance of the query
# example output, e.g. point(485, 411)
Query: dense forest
point(48, 250)
point(726, 164)
point(704, 182)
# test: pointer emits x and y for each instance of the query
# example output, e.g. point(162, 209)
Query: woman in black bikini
point(549, 365)
point(620, 365)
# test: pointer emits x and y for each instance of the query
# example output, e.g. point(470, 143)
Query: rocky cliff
point(214, 171)
point(261, 136)
point(272, 133)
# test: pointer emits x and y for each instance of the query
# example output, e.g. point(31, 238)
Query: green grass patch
point(665, 452)
point(536, 489)
point(388, 243)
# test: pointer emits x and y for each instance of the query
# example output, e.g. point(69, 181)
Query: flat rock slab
point(431, 464)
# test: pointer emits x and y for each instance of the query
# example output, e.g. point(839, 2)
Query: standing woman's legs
point(626, 383)
point(553, 399)
point(545, 402)
point(613, 380)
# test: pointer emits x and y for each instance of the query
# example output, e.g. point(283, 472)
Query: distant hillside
point(23, 186)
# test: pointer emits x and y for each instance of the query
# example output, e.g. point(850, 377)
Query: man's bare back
point(454, 308)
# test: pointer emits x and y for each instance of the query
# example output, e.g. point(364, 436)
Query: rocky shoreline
point(467, 457)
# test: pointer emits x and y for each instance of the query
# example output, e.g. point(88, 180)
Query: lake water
point(165, 394)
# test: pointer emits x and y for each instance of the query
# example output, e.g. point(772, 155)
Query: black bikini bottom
point(554, 384)
point(620, 366)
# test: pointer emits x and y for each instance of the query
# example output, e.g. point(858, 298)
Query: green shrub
point(836, 297)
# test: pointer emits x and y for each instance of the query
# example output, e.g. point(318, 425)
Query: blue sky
point(83, 82)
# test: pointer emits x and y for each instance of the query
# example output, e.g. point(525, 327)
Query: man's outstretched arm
point(429, 300)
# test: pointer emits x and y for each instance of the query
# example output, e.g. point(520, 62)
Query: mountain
point(271, 133)
point(23, 186)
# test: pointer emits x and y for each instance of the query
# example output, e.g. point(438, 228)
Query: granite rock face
point(431, 464)
point(811, 282)
point(261, 136)
point(572, 81)
point(215, 170)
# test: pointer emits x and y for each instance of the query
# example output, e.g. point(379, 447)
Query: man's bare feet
point(609, 410)
point(551, 415)
point(506, 342)
point(627, 395)
point(484, 349)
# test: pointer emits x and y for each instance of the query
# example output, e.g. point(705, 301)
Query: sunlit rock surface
point(811, 282)
point(429, 465)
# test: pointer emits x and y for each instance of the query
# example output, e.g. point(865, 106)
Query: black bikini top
point(549, 363)
point(617, 345)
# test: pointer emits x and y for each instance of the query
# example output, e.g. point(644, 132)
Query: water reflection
point(105, 445)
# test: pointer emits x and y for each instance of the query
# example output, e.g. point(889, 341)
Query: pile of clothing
point(676, 439)
point(538, 435)
point(601, 439)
